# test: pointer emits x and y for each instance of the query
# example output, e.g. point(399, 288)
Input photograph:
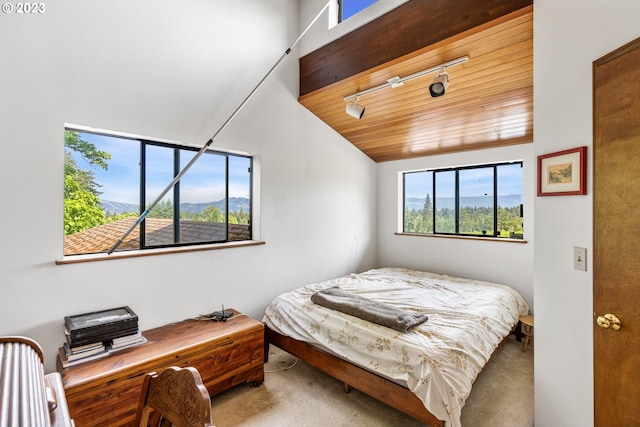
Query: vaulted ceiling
point(489, 101)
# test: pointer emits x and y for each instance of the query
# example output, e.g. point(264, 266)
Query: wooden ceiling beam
point(406, 29)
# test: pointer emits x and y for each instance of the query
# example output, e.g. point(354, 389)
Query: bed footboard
point(351, 375)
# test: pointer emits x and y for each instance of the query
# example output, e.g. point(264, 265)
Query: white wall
point(568, 36)
point(495, 261)
point(171, 70)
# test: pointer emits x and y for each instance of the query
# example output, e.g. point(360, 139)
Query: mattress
point(439, 359)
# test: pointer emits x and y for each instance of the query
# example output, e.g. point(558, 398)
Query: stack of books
point(70, 356)
point(126, 341)
point(93, 335)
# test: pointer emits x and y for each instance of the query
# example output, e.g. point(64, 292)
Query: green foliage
point(210, 214)
point(83, 178)
point(82, 208)
point(473, 220)
point(445, 221)
point(163, 209)
point(420, 220)
point(118, 217)
point(509, 220)
point(239, 217)
point(214, 214)
point(87, 150)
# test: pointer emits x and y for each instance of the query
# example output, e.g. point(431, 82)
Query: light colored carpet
point(295, 394)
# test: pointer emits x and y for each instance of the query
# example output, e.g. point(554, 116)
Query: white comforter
point(439, 359)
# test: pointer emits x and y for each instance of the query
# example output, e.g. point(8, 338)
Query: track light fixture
point(355, 110)
point(437, 88)
point(440, 84)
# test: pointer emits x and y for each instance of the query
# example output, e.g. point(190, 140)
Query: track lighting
point(355, 110)
point(437, 88)
point(440, 84)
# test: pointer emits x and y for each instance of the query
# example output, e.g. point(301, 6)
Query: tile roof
point(157, 232)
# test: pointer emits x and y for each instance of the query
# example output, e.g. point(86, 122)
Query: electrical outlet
point(580, 258)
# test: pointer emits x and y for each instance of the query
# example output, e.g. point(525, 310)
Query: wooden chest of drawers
point(105, 392)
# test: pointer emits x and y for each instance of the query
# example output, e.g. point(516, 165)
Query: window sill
point(446, 236)
point(75, 259)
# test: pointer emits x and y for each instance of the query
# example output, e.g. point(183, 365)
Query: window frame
point(456, 169)
point(143, 247)
point(177, 149)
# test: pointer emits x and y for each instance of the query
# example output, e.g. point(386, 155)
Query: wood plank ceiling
point(489, 101)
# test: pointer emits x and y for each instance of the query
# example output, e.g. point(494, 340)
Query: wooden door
point(616, 249)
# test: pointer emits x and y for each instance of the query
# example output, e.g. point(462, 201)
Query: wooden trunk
point(106, 391)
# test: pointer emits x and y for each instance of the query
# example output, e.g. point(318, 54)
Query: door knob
point(609, 321)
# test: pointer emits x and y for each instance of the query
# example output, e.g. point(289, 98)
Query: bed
point(427, 372)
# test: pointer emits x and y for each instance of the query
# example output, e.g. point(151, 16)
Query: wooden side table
point(106, 391)
point(527, 329)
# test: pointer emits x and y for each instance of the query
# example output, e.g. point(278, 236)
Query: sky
point(351, 7)
point(203, 182)
point(473, 182)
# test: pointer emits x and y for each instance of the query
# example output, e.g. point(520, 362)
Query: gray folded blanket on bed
point(355, 305)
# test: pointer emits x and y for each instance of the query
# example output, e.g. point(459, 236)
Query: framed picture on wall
point(563, 173)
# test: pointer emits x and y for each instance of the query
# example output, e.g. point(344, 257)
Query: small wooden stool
point(527, 329)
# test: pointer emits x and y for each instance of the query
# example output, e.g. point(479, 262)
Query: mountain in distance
point(507, 201)
point(114, 208)
point(235, 204)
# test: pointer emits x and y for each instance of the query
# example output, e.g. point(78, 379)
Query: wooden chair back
point(174, 397)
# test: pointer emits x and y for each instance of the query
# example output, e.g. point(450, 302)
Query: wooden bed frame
point(380, 388)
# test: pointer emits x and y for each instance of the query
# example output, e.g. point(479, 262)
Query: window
point(348, 8)
point(108, 178)
point(481, 200)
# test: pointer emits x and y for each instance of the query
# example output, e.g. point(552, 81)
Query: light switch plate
point(580, 258)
